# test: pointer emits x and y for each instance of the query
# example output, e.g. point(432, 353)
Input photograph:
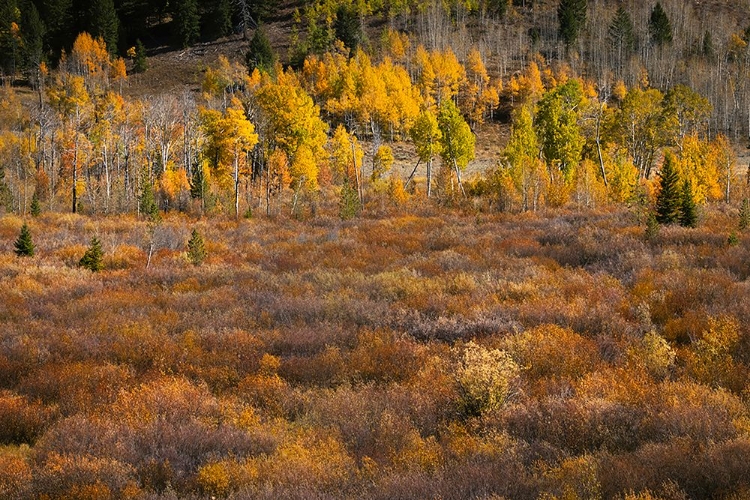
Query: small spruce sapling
point(36, 206)
point(93, 258)
point(196, 248)
point(349, 205)
point(24, 247)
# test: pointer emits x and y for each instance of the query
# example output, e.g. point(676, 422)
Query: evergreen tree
point(186, 22)
point(745, 215)
point(349, 204)
point(347, 27)
point(10, 37)
point(147, 203)
point(198, 183)
point(24, 246)
point(622, 33)
point(93, 258)
point(652, 226)
point(140, 63)
point(32, 31)
point(103, 22)
point(688, 210)
point(260, 54)
point(217, 18)
point(58, 18)
point(36, 206)
point(669, 197)
point(571, 14)
point(196, 248)
point(659, 27)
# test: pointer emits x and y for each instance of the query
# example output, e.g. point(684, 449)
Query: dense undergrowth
point(437, 355)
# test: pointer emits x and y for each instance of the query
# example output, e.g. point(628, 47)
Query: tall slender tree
point(571, 15)
point(621, 33)
point(669, 196)
point(688, 210)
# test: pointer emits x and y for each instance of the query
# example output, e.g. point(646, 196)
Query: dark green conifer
point(659, 27)
point(186, 21)
point(93, 258)
point(669, 196)
point(688, 210)
point(196, 248)
point(622, 33)
point(140, 63)
point(24, 247)
point(349, 205)
point(260, 54)
point(103, 22)
point(571, 15)
point(147, 203)
point(217, 18)
point(36, 206)
point(347, 27)
point(32, 32)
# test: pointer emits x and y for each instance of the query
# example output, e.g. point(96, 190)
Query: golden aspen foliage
point(89, 58)
point(278, 167)
point(395, 44)
point(722, 154)
point(118, 72)
point(449, 74)
point(654, 354)
point(479, 97)
point(304, 169)
point(345, 156)
point(381, 163)
point(291, 118)
point(527, 171)
point(217, 80)
point(589, 190)
point(697, 166)
point(529, 86)
point(619, 91)
point(622, 175)
point(68, 94)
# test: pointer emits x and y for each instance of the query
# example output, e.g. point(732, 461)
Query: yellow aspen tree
point(458, 141)
point(71, 99)
point(449, 74)
point(426, 136)
point(478, 96)
point(725, 158)
point(696, 165)
point(291, 121)
point(522, 156)
point(240, 133)
point(382, 163)
point(425, 75)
